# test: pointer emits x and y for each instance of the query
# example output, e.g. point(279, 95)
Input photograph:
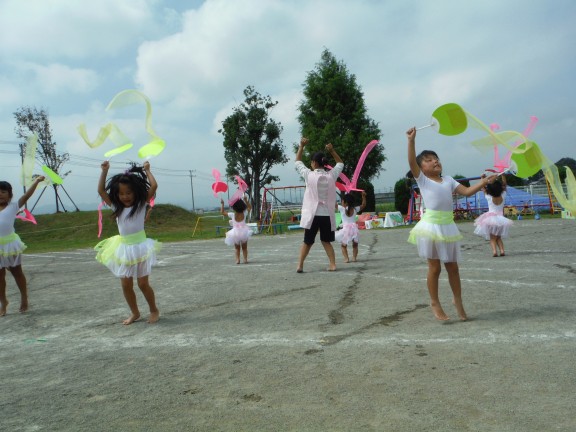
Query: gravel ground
point(258, 347)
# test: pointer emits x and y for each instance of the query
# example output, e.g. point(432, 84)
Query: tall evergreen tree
point(333, 111)
point(252, 143)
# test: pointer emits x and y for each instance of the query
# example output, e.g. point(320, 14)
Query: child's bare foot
point(154, 317)
point(346, 261)
point(3, 308)
point(331, 268)
point(354, 260)
point(132, 318)
point(460, 309)
point(237, 261)
point(439, 312)
point(23, 306)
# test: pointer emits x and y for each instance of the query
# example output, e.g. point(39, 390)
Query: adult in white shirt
point(318, 203)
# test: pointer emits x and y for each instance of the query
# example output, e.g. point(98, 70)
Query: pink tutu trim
point(240, 233)
point(348, 234)
point(491, 223)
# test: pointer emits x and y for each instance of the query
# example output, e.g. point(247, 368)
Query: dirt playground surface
point(258, 347)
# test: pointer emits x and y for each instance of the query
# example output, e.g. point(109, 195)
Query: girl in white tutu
point(11, 247)
point(436, 234)
point(492, 225)
point(130, 254)
point(349, 232)
point(240, 233)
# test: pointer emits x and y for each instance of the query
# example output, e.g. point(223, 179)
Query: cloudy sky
point(502, 60)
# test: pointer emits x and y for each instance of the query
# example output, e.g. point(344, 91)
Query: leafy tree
point(30, 121)
point(252, 143)
point(333, 111)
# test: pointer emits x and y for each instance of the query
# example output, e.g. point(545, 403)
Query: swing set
point(283, 201)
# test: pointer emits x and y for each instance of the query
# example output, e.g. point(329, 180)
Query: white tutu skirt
point(128, 260)
point(240, 233)
point(11, 252)
point(436, 241)
point(348, 234)
point(491, 223)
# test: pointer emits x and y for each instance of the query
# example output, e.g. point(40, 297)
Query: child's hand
point(146, 166)
point(39, 179)
point(221, 201)
point(105, 166)
point(411, 133)
point(329, 148)
point(303, 142)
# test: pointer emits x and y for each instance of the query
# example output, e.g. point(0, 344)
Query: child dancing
point(240, 232)
point(492, 225)
point(436, 235)
point(11, 247)
point(349, 232)
point(130, 254)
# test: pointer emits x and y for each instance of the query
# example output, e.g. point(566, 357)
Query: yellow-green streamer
point(530, 154)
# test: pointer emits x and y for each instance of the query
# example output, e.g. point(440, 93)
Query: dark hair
point(239, 206)
point(423, 154)
point(5, 186)
point(494, 189)
point(136, 179)
point(349, 200)
point(320, 158)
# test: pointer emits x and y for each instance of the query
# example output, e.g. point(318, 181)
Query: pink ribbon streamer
point(348, 185)
point(28, 217)
point(102, 204)
point(242, 188)
point(218, 186)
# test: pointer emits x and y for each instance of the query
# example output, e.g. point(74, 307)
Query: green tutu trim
point(9, 238)
point(107, 248)
point(416, 234)
point(438, 217)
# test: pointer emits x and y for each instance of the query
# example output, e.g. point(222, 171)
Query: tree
point(252, 143)
point(333, 111)
point(561, 164)
point(30, 121)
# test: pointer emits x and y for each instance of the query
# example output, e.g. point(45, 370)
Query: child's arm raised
point(152, 180)
point(414, 168)
point(248, 206)
point(102, 183)
point(24, 198)
point(222, 211)
point(363, 205)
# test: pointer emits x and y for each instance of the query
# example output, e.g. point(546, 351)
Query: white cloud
point(50, 29)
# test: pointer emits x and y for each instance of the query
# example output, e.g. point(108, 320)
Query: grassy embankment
point(75, 230)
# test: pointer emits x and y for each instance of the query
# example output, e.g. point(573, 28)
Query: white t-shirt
point(7, 217)
point(134, 224)
point(348, 219)
point(437, 195)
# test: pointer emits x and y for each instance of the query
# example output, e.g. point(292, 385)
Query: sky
point(502, 61)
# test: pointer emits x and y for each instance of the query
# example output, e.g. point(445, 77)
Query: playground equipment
point(279, 201)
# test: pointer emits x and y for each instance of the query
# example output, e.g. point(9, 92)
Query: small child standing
point(240, 232)
point(436, 235)
point(349, 232)
point(492, 225)
point(11, 247)
point(130, 254)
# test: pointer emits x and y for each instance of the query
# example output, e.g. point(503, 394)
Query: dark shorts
point(322, 224)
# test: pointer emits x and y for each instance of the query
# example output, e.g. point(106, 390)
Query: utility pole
point(192, 188)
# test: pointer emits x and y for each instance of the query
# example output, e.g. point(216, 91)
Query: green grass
point(74, 230)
